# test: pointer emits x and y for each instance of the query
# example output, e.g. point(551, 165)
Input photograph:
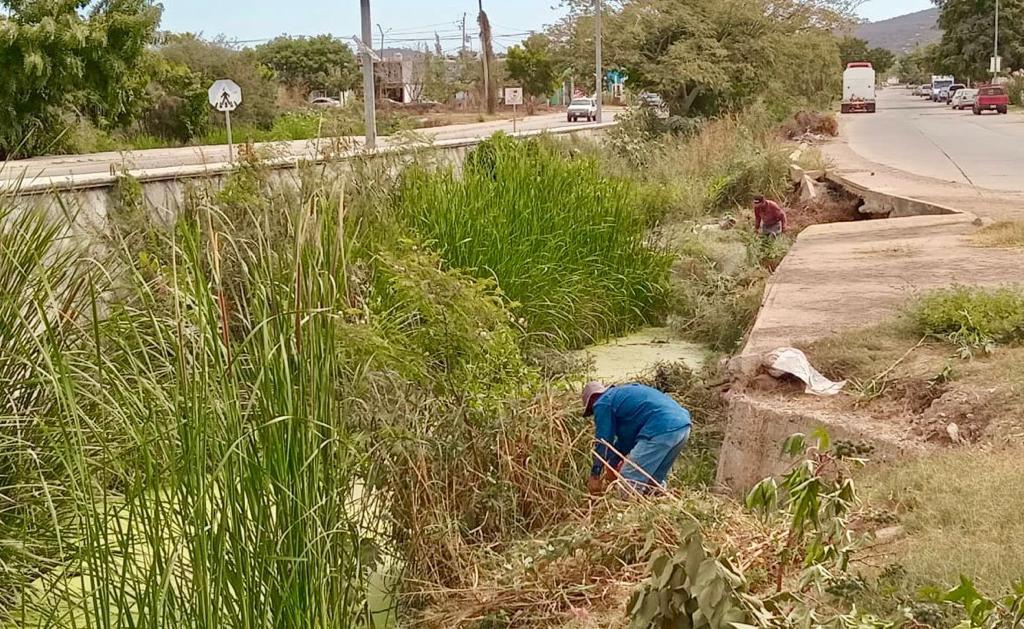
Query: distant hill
point(904, 33)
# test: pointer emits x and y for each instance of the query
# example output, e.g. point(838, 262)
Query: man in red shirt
point(769, 217)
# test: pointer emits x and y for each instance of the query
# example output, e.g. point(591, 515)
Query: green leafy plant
point(972, 318)
point(691, 588)
point(982, 611)
point(813, 500)
point(566, 245)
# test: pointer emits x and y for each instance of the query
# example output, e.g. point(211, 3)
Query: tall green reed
point(566, 245)
point(201, 446)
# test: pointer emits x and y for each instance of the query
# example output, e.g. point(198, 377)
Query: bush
point(973, 318)
point(566, 244)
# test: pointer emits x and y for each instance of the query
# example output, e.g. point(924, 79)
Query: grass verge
point(960, 512)
point(1001, 234)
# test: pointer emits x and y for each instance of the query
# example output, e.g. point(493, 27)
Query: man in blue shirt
point(640, 423)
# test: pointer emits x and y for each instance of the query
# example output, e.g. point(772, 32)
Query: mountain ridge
point(904, 33)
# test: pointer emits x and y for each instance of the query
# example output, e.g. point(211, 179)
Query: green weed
point(972, 318)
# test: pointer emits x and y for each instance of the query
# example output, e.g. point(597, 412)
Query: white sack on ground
point(794, 362)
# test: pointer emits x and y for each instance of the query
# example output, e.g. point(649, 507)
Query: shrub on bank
point(973, 318)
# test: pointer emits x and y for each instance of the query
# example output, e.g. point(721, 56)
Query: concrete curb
point(893, 205)
point(48, 185)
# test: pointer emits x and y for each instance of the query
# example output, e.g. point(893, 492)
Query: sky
point(402, 20)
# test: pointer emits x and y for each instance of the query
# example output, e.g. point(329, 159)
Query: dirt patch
point(834, 206)
point(929, 387)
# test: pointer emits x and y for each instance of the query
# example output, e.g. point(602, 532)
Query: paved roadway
point(928, 139)
point(101, 163)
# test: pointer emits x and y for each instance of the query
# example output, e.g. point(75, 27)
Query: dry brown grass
point(1008, 234)
point(814, 122)
point(582, 572)
point(962, 515)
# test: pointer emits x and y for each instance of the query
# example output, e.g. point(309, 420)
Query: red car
point(991, 98)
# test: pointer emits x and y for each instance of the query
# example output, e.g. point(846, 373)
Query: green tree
point(916, 66)
point(968, 36)
point(305, 64)
point(882, 60)
point(852, 49)
point(708, 57)
point(212, 60)
point(69, 61)
point(178, 108)
point(532, 66)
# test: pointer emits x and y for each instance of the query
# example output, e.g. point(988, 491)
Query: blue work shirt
point(625, 414)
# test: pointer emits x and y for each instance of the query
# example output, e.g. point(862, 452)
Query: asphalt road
point(99, 163)
point(928, 139)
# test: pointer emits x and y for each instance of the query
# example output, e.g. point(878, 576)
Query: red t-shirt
point(768, 213)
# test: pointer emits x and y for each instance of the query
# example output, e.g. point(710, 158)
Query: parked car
point(585, 108)
point(991, 98)
point(925, 90)
point(953, 89)
point(654, 102)
point(964, 99)
point(324, 102)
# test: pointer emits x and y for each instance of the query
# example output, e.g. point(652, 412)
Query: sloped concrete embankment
point(846, 276)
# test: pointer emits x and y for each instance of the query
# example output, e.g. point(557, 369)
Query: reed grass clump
point(565, 244)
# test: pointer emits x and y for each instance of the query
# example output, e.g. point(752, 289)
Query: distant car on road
point(324, 102)
point(952, 90)
point(991, 98)
point(925, 90)
point(940, 83)
point(964, 99)
point(585, 108)
point(653, 102)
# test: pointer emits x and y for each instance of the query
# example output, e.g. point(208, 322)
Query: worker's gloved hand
point(612, 475)
point(595, 485)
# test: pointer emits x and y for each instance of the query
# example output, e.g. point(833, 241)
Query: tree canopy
point(855, 49)
point(707, 57)
point(968, 36)
point(66, 60)
point(323, 62)
point(532, 66)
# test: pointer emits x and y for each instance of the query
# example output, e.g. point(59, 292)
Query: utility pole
point(995, 50)
point(487, 47)
point(463, 34)
point(600, 64)
point(381, 29)
point(369, 91)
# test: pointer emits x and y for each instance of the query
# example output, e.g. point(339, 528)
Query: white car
point(964, 99)
point(324, 102)
point(585, 108)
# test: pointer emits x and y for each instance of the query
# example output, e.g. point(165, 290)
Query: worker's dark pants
point(772, 231)
point(648, 464)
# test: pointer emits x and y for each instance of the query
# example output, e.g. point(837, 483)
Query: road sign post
point(514, 97)
point(226, 96)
